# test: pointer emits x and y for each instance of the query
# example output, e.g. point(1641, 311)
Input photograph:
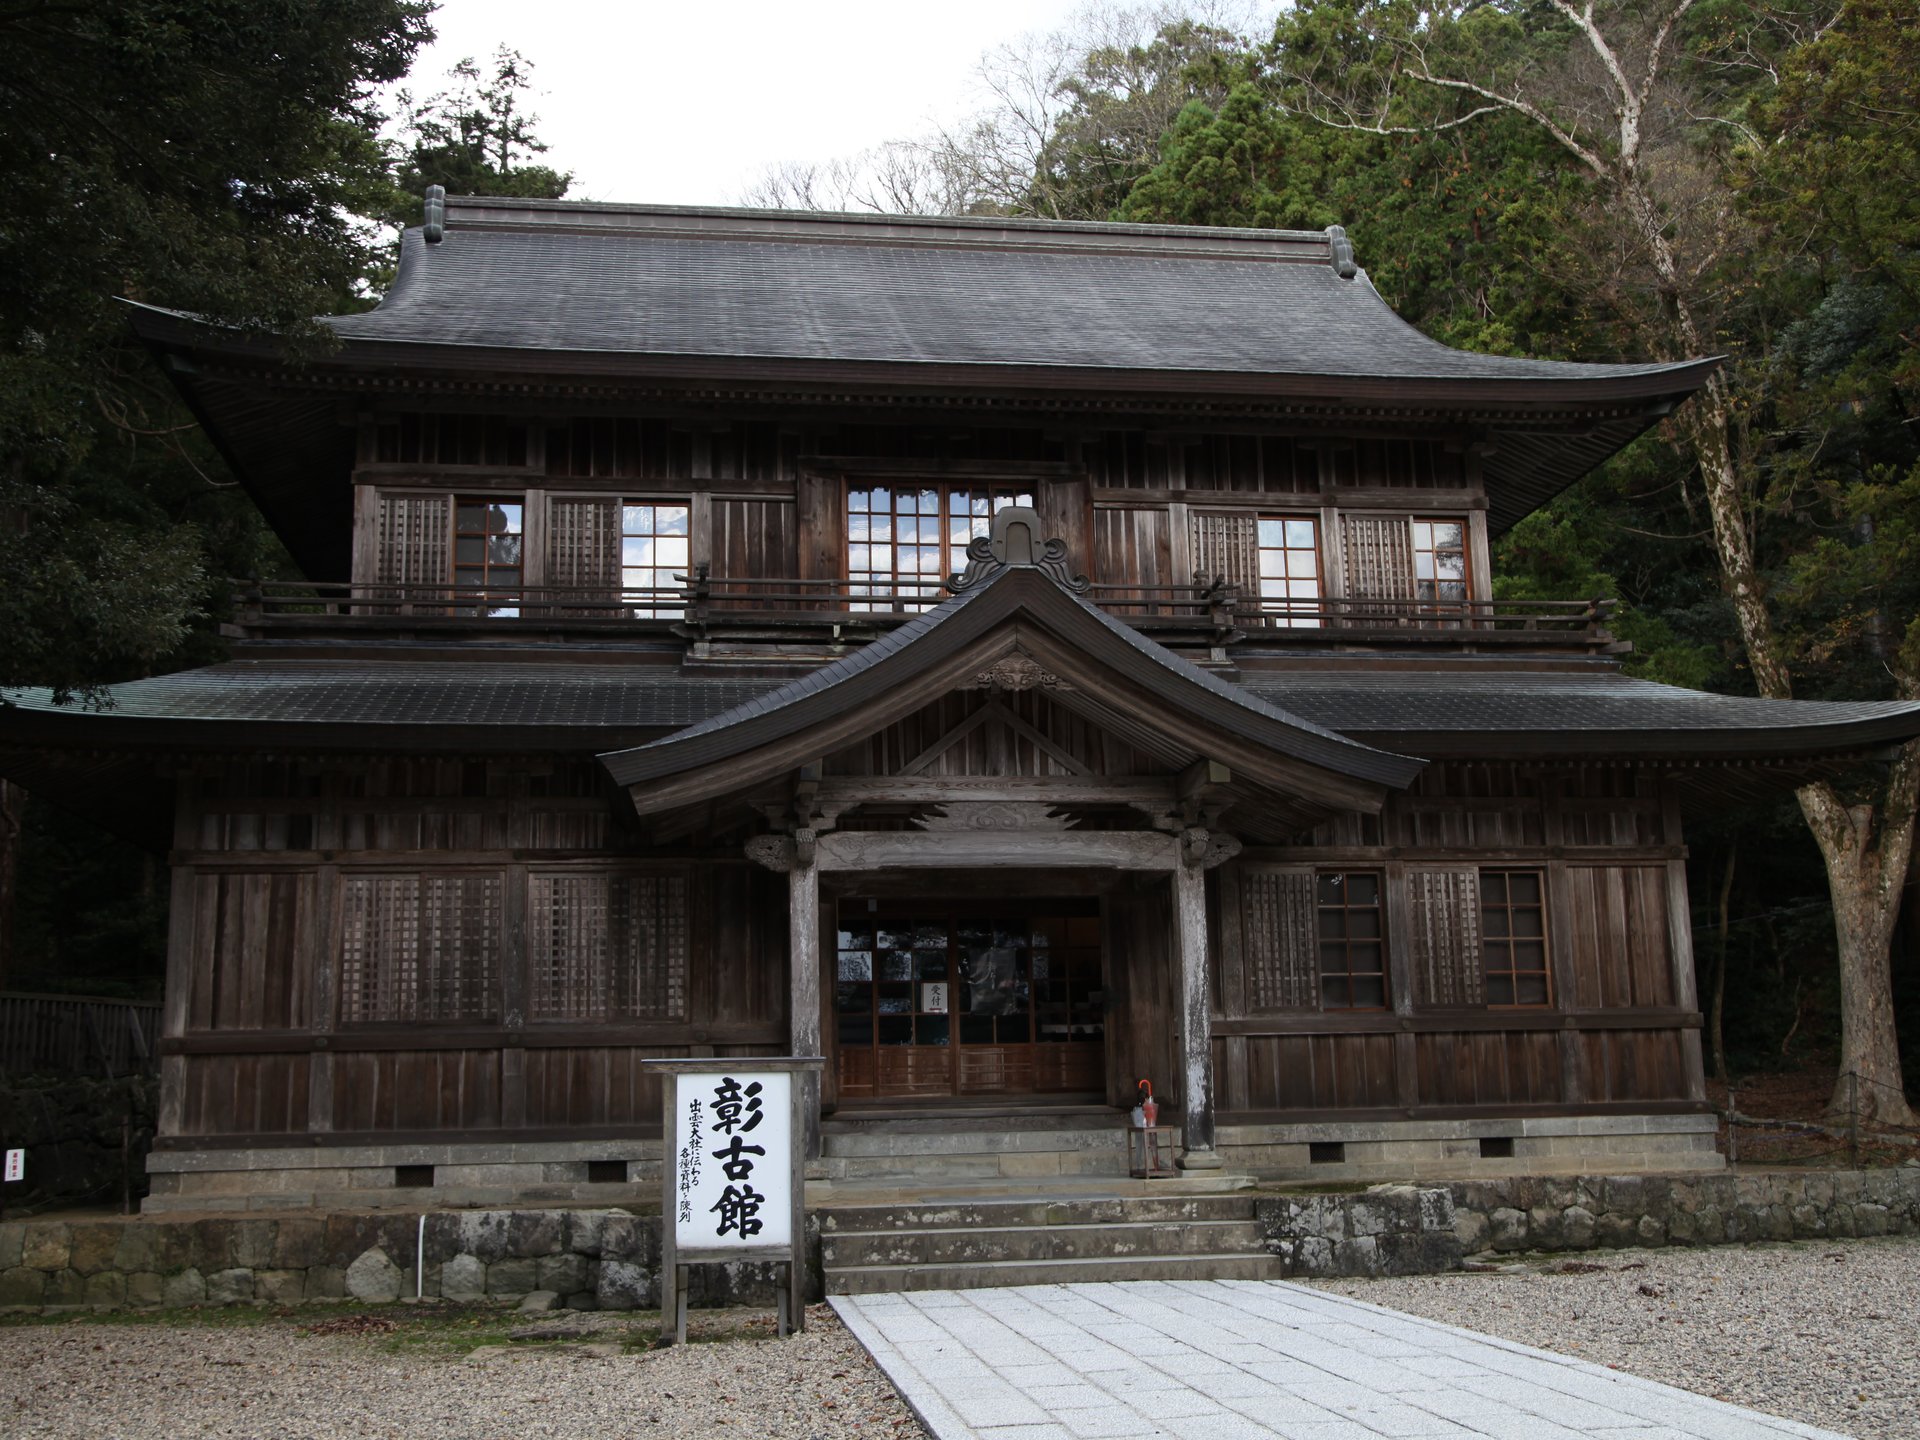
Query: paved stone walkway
point(1249, 1360)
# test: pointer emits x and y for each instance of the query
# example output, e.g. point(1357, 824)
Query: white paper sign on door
point(16, 1165)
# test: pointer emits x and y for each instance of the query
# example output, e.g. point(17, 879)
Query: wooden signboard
point(731, 1175)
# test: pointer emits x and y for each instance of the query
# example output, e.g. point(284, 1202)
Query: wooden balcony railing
point(728, 610)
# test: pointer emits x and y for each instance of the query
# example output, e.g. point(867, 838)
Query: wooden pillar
point(1195, 1018)
point(803, 986)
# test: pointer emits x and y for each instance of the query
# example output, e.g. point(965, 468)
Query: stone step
point(967, 1245)
point(982, 1140)
point(999, 1212)
point(992, 1274)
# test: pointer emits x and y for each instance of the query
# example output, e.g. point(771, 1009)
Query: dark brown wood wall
point(768, 496)
point(255, 1047)
point(1621, 1028)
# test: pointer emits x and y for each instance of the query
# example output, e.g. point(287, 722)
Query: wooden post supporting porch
point(1194, 1003)
point(803, 988)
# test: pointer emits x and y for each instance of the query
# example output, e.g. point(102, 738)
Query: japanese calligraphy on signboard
point(732, 1166)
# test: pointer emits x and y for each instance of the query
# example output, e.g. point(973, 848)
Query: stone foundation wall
point(588, 1259)
point(1729, 1209)
point(1406, 1230)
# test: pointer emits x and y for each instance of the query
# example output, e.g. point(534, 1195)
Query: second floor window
point(902, 543)
point(654, 543)
point(487, 536)
point(1440, 562)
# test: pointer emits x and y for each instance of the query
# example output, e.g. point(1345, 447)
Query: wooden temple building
point(1010, 659)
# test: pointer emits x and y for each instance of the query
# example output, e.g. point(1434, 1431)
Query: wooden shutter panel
point(609, 947)
point(415, 948)
point(583, 549)
point(1379, 556)
point(1227, 547)
point(1445, 909)
point(416, 540)
point(1279, 939)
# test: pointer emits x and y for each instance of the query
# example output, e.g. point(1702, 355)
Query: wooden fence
point(76, 1035)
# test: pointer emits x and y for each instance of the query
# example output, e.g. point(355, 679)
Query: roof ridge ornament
point(434, 225)
point(1014, 544)
point(1340, 250)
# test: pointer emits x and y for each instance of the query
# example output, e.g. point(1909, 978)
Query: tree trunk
point(1863, 845)
point(1719, 1033)
point(13, 814)
point(1866, 872)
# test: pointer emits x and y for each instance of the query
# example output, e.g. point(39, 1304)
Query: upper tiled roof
point(653, 281)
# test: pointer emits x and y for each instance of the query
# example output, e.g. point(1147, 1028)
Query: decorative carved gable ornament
point(1015, 544)
point(1028, 816)
point(1016, 671)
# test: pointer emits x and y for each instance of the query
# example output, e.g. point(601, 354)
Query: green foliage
point(473, 138)
point(210, 155)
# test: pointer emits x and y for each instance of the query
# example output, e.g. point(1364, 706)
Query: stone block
point(563, 1274)
point(373, 1278)
point(186, 1287)
point(232, 1286)
point(12, 1243)
point(622, 1238)
point(1616, 1232)
point(326, 1282)
point(1871, 1219)
point(298, 1244)
point(1470, 1228)
point(253, 1243)
point(144, 1289)
point(584, 1229)
point(538, 1301)
point(280, 1287)
point(1358, 1256)
point(1651, 1231)
point(1508, 1229)
point(510, 1277)
point(65, 1288)
point(46, 1245)
point(533, 1233)
point(485, 1234)
point(22, 1285)
point(463, 1278)
point(625, 1286)
point(213, 1244)
point(585, 1300)
point(106, 1290)
point(93, 1247)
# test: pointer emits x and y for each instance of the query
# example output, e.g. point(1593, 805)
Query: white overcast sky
point(690, 102)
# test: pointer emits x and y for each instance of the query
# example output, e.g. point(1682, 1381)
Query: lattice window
point(1514, 936)
point(420, 948)
point(1444, 909)
point(901, 544)
point(1379, 558)
point(1227, 547)
point(583, 553)
point(415, 540)
point(1353, 942)
point(608, 947)
point(1279, 941)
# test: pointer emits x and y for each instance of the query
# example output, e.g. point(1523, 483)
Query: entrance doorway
point(933, 998)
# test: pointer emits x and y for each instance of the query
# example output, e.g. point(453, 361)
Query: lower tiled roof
point(1597, 712)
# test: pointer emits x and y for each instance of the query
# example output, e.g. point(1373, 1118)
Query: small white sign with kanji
point(16, 1165)
point(732, 1166)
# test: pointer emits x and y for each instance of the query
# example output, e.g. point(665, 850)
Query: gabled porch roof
point(1022, 622)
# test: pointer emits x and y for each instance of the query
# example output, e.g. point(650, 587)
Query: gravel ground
point(1825, 1333)
point(278, 1379)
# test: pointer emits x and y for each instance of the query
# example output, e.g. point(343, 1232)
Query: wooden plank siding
point(768, 496)
point(1618, 1029)
point(264, 1043)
